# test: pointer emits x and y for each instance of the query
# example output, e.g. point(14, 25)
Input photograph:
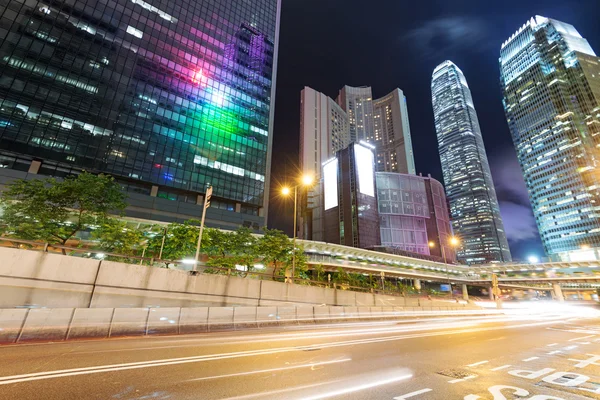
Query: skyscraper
point(382, 122)
point(169, 97)
point(551, 85)
point(473, 204)
point(324, 131)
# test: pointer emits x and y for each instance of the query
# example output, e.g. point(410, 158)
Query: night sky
point(385, 44)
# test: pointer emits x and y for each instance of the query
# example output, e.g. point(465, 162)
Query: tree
point(230, 249)
point(114, 236)
point(274, 247)
point(54, 211)
point(180, 240)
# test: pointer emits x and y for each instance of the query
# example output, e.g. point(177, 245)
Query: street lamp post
point(453, 242)
point(307, 180)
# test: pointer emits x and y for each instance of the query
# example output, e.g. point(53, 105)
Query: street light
point(453, 242)
point(307, 180)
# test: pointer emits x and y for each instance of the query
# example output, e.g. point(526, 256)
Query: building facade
point(413, 216)
point(168, 97)
point(474, 206)
point(550, 78)
point(382, 122)
point(350, 198)
point(324, 130)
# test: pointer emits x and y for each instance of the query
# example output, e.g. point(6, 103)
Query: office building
point(168, 97)
point(413, 216)
point(382, 122)
point(550, 78)
point(349, 201)
point(323, 132)
point(473, 204)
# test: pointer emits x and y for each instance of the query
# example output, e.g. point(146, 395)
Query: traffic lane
point(417, 357)
point(20, 359)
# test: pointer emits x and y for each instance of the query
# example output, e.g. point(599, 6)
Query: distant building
point(413, 215)
point(382, 122)
point(473, 203)
point(350, 202)
point(551, 84)
point(324, 131)
point(168, 97)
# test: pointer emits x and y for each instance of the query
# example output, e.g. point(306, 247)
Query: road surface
point(545, 356)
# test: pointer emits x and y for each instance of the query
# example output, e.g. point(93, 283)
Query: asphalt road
point(549, 355)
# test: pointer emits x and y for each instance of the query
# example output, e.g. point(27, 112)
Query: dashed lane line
point(413, 394)
point(530, 359)
point(554, 352)
point(500, 368)
point(463, 379)
point(478, 363)
point(553, 344)
point(580, 338)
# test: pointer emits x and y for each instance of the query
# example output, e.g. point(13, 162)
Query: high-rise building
point(413, 215)
point(551, 85)
point(392, 134)
point(323, 132)
point(349, 201)
point(168, 97)
point(382, 122)
point(473, 203)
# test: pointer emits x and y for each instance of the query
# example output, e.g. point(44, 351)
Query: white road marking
point(585, 363)
point(554, 352)
point(500, 368)
point(478, 363)
point(553, 344)
point(412, 394)
point(570, 347)
point(311, 365)
point(584, 337)
point(530, 359)
point(463, 379)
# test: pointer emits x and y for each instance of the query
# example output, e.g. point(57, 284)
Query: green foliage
point(180, 241)
point(229, 249)
point(114, 236)
point(54, 211)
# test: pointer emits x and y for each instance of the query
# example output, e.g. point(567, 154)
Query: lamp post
point(307, 180)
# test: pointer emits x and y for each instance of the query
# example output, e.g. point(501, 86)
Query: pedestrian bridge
point(541, 276)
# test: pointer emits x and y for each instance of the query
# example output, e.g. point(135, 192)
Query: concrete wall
point(57, 324)
point(35, 279)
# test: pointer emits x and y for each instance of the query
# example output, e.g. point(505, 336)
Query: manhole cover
point(455, 373)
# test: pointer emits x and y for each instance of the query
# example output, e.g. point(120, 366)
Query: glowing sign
point(363, 159)
point(330, 184)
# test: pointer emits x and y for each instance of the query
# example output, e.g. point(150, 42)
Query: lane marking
point(579, 338)
point(163, 362)
point(554, 352)
point(553, 344)
point(478, 363)
point(500, 368)
point(356, 388)
point(412, 394)
point(570, 347)
point(530, 359)
point(311, 365)
point(463, 379)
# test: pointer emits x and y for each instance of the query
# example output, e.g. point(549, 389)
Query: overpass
point(541, 276)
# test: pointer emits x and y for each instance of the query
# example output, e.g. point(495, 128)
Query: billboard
point(330, 183)
point(363, 160)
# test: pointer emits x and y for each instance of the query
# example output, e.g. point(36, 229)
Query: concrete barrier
point(47, 324)
point(129, 322)
point(193, 320)
point(90, 322)
point(18, 326)
point(11, 322)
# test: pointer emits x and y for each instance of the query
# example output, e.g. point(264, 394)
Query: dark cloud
point(448, 34)
point(519, 222)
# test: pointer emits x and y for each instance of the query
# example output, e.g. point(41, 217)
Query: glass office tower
point(473, 204)
point(168, 96)
point(551, 84)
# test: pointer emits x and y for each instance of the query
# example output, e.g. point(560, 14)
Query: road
point(547, 355)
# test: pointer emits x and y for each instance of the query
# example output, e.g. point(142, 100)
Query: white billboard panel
point(363, 159)
point(330, 183)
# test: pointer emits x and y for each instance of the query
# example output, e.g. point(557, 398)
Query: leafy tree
point(229, 249)
point(54, 211)
point(274, 247)
point(114, 236)
point(180, 240)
